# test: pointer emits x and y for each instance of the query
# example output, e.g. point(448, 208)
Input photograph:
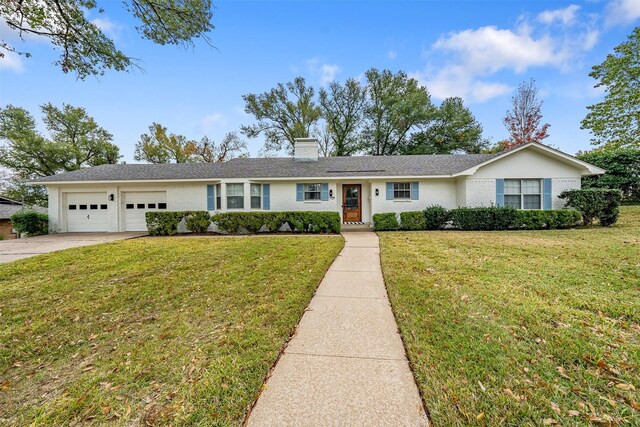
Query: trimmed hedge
point(592, 203)
point(30, 222)
point(385, 222)
point(413, 220)
point(166, 223)
point(491, 218)
point(436, 217)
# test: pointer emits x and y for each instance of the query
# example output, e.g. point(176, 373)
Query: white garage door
point(86, 212)
point(137, 203)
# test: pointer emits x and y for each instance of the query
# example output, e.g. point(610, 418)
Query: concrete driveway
point(11, 250)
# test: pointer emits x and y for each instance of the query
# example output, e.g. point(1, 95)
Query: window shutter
point(415, 190)
point(211, 198)
point(266, 197)
point(325, 192)
point(389, 190)
point(500, 192)
point(546, 204)
point(299, 192)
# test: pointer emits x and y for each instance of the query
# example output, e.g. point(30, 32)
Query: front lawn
point(521, 327)
point(150, 331)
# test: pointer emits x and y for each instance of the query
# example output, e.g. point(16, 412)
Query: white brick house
point(115, 198)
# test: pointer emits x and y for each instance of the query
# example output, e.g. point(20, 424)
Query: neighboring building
point(116, 197)
point(7, 208)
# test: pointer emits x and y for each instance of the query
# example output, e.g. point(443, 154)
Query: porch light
point(377, 192)
point(111, 197)
point(331, 193)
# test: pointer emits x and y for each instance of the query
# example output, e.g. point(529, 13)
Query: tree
point(159, 147)
point(523, 121)
point(31, 195)
point(285, 113)
point(85, 48)
point(623, 170)
point(615, 122)
point(452, 129)
point(231, 146)
point(75, 141)
point(343, 110)
point(397, 105)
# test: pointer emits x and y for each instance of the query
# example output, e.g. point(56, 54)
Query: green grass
point(150, 331)
point(521, 327)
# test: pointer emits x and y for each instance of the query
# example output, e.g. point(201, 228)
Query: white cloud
point(566, 16)
point(11, 61)
point(211, 120)
point(622, 12)
point(392, 54)
point(328, 73)
point(321, 70)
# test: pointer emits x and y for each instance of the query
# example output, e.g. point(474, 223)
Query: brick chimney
point(305, 149)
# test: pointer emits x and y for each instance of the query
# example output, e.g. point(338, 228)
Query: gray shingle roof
point(325, 167)
point(7, 210)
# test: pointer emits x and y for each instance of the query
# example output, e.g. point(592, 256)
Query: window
point(401, 190)
point(256, 196)
point(103, 206)
point(72, 207)
point(523, 193)
point(162, 206)
point(93, 206)
point(235, 196)
point(140, 205)
point(151, 206)
point(83, 207)
point(129, 205)
point(218, 196)
point(312, 191)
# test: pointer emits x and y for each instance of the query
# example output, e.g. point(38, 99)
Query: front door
point(352, 206)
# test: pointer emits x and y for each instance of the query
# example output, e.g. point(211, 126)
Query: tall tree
point(622, 167)
point(283, 114)
point(343, 110)
point(397, 105)
point(452, 129)
point(85, 48)
point(206, 150)
point(158, 146)
point(75, 141)
point(615, 122)
point(523, 120)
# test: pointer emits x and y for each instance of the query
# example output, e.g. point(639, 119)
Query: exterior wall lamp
point(377, 191)
point(111, 197)
point(331, 193)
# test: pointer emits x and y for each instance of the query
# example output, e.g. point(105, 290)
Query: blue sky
point(479, 50)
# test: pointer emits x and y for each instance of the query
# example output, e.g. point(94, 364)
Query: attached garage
point(86, 212)
point(135, 205)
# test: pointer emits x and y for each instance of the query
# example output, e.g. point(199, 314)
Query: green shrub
point(163, 223)
point(197, 221)
point(491, 218)
point(1, 236)
point(30, 222)
point(536, 220)
point(592, 203)
point(412, 220)
point(385, 221)
point(301, 222)
point(436, 217)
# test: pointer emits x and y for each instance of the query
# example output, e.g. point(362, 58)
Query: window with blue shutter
point(389, 190)
point(325, 192)
point(299, 192)
point(266, 197)
point(211, 198)
point(415, 190)
point(500, 192)
point(547, 194)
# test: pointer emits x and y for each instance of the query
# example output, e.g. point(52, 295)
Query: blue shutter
point(266, 197)
point(389, 190)
point(325, 192)
point(299, 192)
point(546, 203)
point(211, 198)
point(500, 192)
point(415, 190)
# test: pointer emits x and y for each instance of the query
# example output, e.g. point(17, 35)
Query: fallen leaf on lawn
point(106, 410)
point(574, 413)
point(635, 405)
point(480, 416)
point(465, 298)
point(88, 368)
point(627, 387)
point(555, 408)
point(562, 372)
point(4, 386)
point(482, 387)
point(549, 421)
point(512, 395)
point(224, 386)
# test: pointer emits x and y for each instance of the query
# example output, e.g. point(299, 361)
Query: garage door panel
point(137, 203)
point(86, 212)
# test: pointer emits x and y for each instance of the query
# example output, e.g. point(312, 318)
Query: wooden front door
point(351, 203)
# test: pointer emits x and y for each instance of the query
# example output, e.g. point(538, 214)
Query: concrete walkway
point(13, 249)
point(346, 364)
